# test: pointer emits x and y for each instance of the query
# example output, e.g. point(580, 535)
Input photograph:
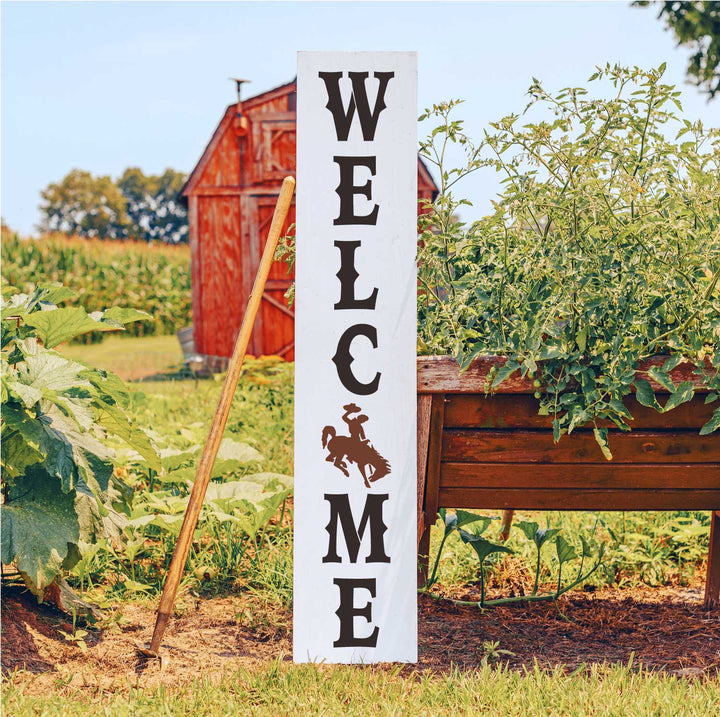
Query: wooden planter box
point(494, 452)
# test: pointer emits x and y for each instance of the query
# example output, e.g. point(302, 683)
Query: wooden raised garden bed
point(495, 452)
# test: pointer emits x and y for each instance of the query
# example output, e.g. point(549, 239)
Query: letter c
point(343, 358)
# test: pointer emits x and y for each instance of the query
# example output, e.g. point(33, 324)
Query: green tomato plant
point(601, 250)
point(59, 488)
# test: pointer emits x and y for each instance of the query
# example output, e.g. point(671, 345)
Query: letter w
point(358, 100)
point(340, 509)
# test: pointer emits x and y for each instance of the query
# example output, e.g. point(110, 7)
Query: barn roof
point(248, 104)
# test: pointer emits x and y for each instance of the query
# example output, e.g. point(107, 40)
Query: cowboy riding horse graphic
point(354, 448)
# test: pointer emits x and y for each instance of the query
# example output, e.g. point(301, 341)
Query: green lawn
point(281, 689)
point(130, 357)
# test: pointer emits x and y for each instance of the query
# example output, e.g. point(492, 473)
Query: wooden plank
point(520, 446)
point(249, 257)
point(208, 276)
point(521, 411)
point(424, 409)
point(278, 284)
point(196, 275)
point(712, 580)
point(424, 404)
point(579, 499)
point(531, 476)
point(434, 456)
point(218, 191)
point(441, 374)
point(278, 320)
point(279, 306)
point(223, 168)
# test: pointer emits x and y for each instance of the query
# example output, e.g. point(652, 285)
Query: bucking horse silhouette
point(354, 448)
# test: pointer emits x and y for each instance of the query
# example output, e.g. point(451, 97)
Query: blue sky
point(103, 86)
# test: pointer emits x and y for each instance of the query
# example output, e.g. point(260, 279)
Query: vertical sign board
point(355, 368)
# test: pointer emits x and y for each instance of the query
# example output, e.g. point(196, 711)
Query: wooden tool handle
point(202, 477)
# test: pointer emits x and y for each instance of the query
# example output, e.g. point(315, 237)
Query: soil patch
point(664, 629)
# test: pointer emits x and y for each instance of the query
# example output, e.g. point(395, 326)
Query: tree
point(696, 25)
point(152, 205)
point(137, 206)
point(85, 205)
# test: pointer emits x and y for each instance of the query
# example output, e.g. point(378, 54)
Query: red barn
point(231, 195)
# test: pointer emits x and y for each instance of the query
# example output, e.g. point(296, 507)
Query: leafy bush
point(151, 277)
point(58, 486)
point(603, 249)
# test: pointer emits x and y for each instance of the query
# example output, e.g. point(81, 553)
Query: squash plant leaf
point(565, 551)
point(38, 524)
point(482, 547)
point(464, 517)
point(56, 466)
point(60, 325)
point(529, 528)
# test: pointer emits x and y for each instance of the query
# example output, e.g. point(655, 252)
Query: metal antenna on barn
point(238, 87)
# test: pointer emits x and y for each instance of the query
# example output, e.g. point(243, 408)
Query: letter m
point(341, 515)
point(358, 100)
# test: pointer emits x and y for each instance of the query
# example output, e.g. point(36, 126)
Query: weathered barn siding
point(231, 195)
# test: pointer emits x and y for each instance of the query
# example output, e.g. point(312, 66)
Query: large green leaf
point(38, 524)
point(126, 316)
point(271, 481)
point(47, 369)
point(565, 551)
point(115, 421)
point(233, 455)
point(28, 441)
point(22, 393)
point(481, 546)
point(55, 327)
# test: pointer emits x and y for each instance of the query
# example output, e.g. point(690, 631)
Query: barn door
point(274, 331)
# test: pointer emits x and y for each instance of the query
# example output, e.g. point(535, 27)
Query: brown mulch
point(663, 629)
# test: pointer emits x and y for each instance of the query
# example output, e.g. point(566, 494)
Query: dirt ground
point(663, 629)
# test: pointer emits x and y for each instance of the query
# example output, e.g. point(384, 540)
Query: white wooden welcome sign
point(355, 367)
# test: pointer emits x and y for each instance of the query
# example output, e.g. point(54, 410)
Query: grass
point(282, 689)
point(130, 357)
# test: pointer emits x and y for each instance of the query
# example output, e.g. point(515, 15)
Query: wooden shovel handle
point(202, 477)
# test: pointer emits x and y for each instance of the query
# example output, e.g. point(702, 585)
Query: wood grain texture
point(521, 446)
point(578, 499)
point(501, 410)
point(195, 274)
point(424, 405)
point(712, 580)
point(608, 475)
point(432, 481)
point(441, 374)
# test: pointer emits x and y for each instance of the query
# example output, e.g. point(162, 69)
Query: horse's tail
point(381, 465)
point(327, 434)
